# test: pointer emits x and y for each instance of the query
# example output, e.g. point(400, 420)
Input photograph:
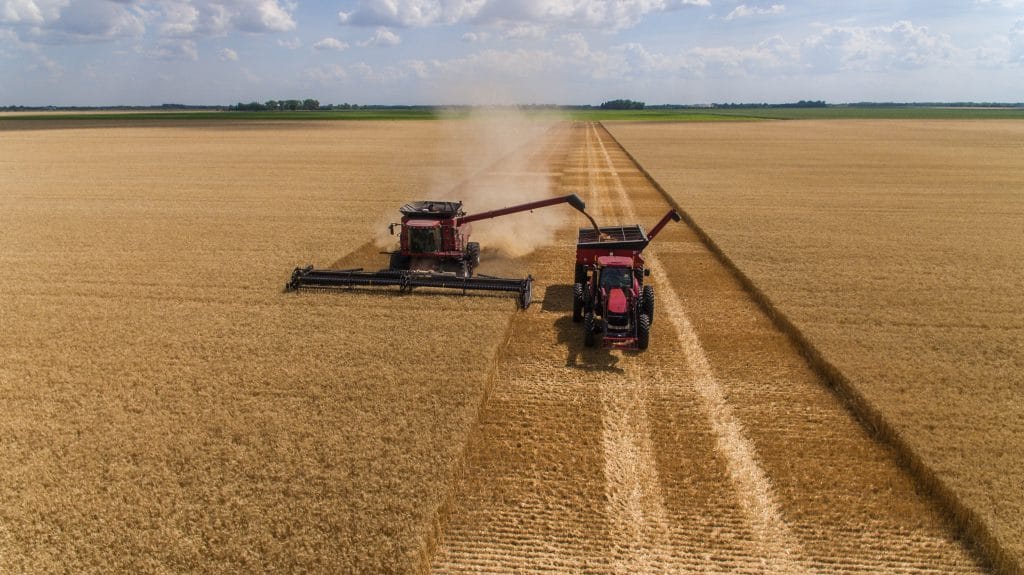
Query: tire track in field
point(590, 461)
point(635, 502)
point(753, 488)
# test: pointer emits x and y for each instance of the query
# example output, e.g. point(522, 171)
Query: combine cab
point(435, 252)
point(609, 295)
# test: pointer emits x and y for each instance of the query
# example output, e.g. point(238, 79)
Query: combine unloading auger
point(435, 252)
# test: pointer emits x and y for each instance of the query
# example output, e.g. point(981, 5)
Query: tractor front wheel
point(643, 335)
point(648, 302)
point(589, 337)
point(577, 303)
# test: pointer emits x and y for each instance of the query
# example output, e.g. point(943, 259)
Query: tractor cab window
point(424, 240)
point(612, 278)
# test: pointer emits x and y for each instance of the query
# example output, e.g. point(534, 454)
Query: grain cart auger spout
point(609, 295)
point(434, 252)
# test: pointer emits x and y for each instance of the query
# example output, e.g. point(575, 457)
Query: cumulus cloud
point(228, 55)
point(327, 74)
point(900, 45)
point(1016, 52)
point(291, 44)
point(330, 44)
point(605, 14)
point(170, 49)
point(382, 37)
point(744, 11)
point(70, 21)
point(474, 37)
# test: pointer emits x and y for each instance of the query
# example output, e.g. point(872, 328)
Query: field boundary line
point(962, 519)
point(753, 487)
point(438, 525)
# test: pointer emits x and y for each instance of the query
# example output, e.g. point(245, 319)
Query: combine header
point(609, 295)
point(434, 252)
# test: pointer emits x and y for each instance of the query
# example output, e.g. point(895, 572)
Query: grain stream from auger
point(717, 450)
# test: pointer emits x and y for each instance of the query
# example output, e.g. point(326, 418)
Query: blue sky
point(137, 52)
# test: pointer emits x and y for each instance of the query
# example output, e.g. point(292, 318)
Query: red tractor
point(609, 295)
point(434, 251)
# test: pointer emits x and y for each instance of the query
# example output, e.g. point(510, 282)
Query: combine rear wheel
point(648, 302)
point(588, 329)
point(577, 303)
point(643, 335)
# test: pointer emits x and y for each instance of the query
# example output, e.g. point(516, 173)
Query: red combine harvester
point(609, 295)
point(435, 252)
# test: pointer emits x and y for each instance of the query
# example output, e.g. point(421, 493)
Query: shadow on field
point(558, 298)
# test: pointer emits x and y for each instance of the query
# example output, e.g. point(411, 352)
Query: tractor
point(435, 252)
point(609, 295)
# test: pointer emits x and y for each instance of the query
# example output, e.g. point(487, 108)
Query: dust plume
point(504, 155)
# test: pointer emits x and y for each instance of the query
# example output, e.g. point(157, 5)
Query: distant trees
point(308, 104)
point(622, 105)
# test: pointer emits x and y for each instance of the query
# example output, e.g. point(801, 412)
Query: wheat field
point(897, 249)
point(165, 407)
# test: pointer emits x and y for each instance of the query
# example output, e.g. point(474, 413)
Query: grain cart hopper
point(609, 295)
point(435, 252)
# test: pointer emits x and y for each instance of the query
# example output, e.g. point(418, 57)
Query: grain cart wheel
point(588, 329)
point(648, 303)
point(581, 274)
point(577, 303)
point(643, 334)
point(472, 256)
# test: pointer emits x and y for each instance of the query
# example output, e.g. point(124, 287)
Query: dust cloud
point(495, 158)
point(504, 161)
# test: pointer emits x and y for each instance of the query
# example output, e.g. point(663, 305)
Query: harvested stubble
point(897, 249)
point(164, 407)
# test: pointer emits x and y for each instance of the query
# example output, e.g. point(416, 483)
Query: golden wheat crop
point(897, 249)
point(165, 407)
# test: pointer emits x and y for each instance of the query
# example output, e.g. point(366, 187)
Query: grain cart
point(609, 295)
point(435, 252)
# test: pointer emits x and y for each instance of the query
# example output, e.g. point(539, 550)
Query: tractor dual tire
point(581, 274)
point(577, 303)
point(589, 338)
point(643, 332)
point(647, 305)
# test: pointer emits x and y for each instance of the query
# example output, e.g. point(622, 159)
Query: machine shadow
point(558, 298)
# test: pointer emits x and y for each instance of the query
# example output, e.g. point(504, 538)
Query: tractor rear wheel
point(581, 274)
point(648, 302)
point(577, 303)
point(643, 334)
point(588, 329)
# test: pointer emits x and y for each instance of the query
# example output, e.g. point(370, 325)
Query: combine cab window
point(612, 278)
point(424, 240)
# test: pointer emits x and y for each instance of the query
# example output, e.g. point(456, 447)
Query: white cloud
point(900, 45)
point(605, 14)
point(71, 21)
point(228, 55)
point(382, 37)
point(524, 32)
point(291, 44)
point(174, 49)
point(474, 37)
point(1016, 52)
point(330, 44)
point(327, 74)
point(744, 11)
